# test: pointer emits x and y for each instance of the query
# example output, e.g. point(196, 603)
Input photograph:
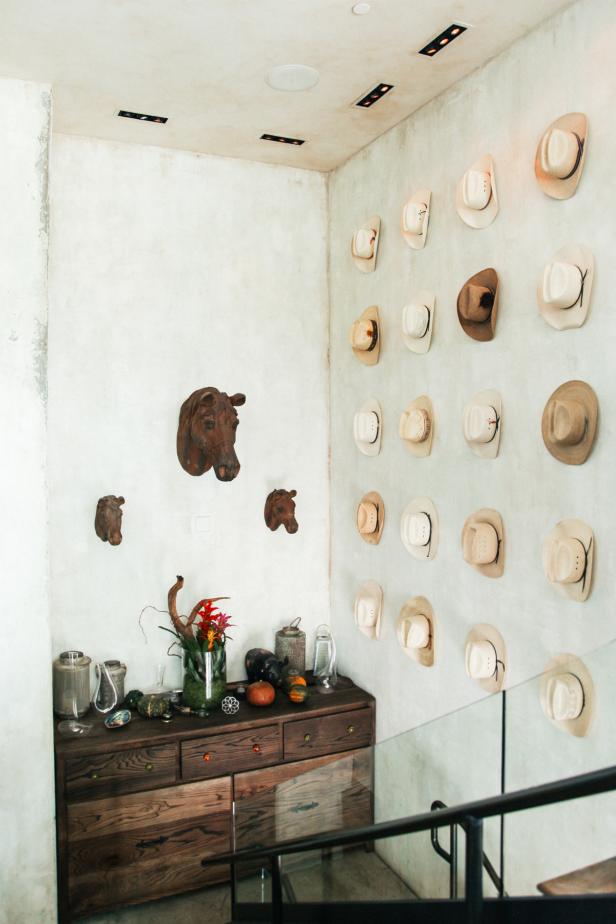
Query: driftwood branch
point(178, 625)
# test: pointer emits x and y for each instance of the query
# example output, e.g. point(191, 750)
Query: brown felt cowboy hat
point(563, 292)
point(568, 557)
point(567, 694)
point(483, 542)
point(415, 629)
point(478, 305)
point(560, 156)
point(370, 517)
point(365, 245)
point(569, 422)
point(365, 336)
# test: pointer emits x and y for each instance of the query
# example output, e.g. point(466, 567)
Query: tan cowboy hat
point(568, 556)
point(483, 542)
point(365, 245)
point(560, 156)
point(370, 517)
point(415, 629)
point(416, 426)
point(418, 322)
point(476, 198)
point(485, 657)
point(368, 609)
point(367, 427)
point(567, 694)
point(365, 336)
point(415, 219)
point(419, 528)
point(478, 305)
point(482, 423)
point(569, 422)
point(563, 292)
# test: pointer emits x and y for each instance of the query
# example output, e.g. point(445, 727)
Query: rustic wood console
point(138, 808)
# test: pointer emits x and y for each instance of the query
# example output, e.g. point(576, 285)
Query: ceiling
point(203, 63)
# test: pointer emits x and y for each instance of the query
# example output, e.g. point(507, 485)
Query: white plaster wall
point(567, 64)
point(170, 272)
point(27, 844)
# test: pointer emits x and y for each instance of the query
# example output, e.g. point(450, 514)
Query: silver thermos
point(71, 684)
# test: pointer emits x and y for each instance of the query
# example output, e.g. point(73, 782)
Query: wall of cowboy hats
point(501, 110)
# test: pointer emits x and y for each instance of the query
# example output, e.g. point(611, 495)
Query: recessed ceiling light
point(282, 139)
point(141, 116)
point(360, 9)
point(374, 95)
point(292, 77)
point(441, 41)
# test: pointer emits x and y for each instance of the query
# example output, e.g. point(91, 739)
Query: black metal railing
point(451, 856)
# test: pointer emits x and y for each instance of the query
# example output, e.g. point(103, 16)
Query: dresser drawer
point(326, 735)
point(227, 753)
point(122, 771)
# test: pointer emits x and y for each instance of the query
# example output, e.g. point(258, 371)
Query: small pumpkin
point(260, 693)
point(152, 706)
point(299, 691)
point(132, 698)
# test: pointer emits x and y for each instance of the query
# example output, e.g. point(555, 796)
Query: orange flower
point(211, 635)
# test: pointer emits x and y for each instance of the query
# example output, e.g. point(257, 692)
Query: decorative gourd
point(298, 692)
point(132, 698)
point(152, 706)
point(260, 693)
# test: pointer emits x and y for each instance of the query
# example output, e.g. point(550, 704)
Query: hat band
point(375, 336)
point(580, 151)
point(580, 297)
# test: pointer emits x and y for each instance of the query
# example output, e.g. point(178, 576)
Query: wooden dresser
point(138, 808)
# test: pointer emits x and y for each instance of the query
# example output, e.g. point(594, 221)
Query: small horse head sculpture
point(108, 520)
point(206, 433)
point(280, 510)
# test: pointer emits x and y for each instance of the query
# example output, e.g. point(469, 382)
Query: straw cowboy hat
point(415, 629)
point(569, 422)
point(365, 336)
point(482, 423)
point(365, 245)
point(563, 292)
point(568, 555)
point(419, 528)
point(368, 609)
point(561, 151)
point(483, 542)
point(476, 198)
point(367, 428)
point(478, 305)
point(567, 694)
point(418, 322)
point(485, 657)
point(370, 517)
point(415, 219)
point(416, 426)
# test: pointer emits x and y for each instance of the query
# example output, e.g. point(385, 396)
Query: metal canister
point(291, 644)
point(71, 684)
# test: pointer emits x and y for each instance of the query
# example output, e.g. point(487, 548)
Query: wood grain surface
point(327, 734)
point(122, 771)
point(239, 750)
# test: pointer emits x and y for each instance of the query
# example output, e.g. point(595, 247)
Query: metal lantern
point(291, 644)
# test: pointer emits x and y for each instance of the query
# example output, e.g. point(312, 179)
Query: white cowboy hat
point(482, 423)
point(416, 426)
point(370, 517)
point(567, 694)
point(563, 292)
point(367, 426)
point(418, 322)
point(365, 245)
point(483, 542)
point(569, 422)
point(415, 219)
point(560, 156)
point(365, 336)
point(568, 554)
point(485, 657)
point(419, 528)
point(476, 198)
point(415, 629)
point(368, 609)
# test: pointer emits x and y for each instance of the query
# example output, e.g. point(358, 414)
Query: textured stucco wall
point(566, 65)
point(27, 863)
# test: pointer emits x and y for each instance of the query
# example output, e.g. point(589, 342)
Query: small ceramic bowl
point(118, 719)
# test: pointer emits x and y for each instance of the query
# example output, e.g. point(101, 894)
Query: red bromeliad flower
point(211, 624)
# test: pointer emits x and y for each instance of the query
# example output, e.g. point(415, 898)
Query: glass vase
point(205, 680)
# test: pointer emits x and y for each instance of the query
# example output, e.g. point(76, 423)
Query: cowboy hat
point(568, 554)
point(561, 151)
point(418, 322)
point(482, 423)
point(563, 292)
point(367, 428)
point(485, 657)
point(365, 244)
point(415, 629)
point(416, 426)
point(419, 528)
point(567, 694)
point(476, 198)
point(368, 609)
point(478, 305)
point(415, 219)
point(483, 542)
point(569, 422)
point(365, 336)
point(370, 517)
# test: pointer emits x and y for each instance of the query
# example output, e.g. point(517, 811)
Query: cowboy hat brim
point(417, 241)
point(569, 318)
point(368, 265)
point(575, 390)
point(553, 186)
point(373, 497)
point(478, 218)
point(370, 357)
point(481, 330)
point(569, 664)
point(420, 552)
point(572, 529)
point(483, 631)
point(493, 398)
point(496, 568)
point(423, 449)
point(422, 344)
point(373, 589)
point(372, 449)
point(417, 606)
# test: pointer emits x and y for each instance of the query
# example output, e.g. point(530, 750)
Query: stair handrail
point(452, 857)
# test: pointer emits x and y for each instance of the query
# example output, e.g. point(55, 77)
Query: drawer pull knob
point(207, 756)
point(350, 729)
point(93, 775)
point(307, 737)
point(149, 767)
point(256, 748)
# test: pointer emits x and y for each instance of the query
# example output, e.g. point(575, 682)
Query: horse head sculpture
point(108, 520)
point(280, 510)
point(206, 433)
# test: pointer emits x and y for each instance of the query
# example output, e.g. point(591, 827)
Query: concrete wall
point(27, 864)
point(170, 272)
point(502, 109)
